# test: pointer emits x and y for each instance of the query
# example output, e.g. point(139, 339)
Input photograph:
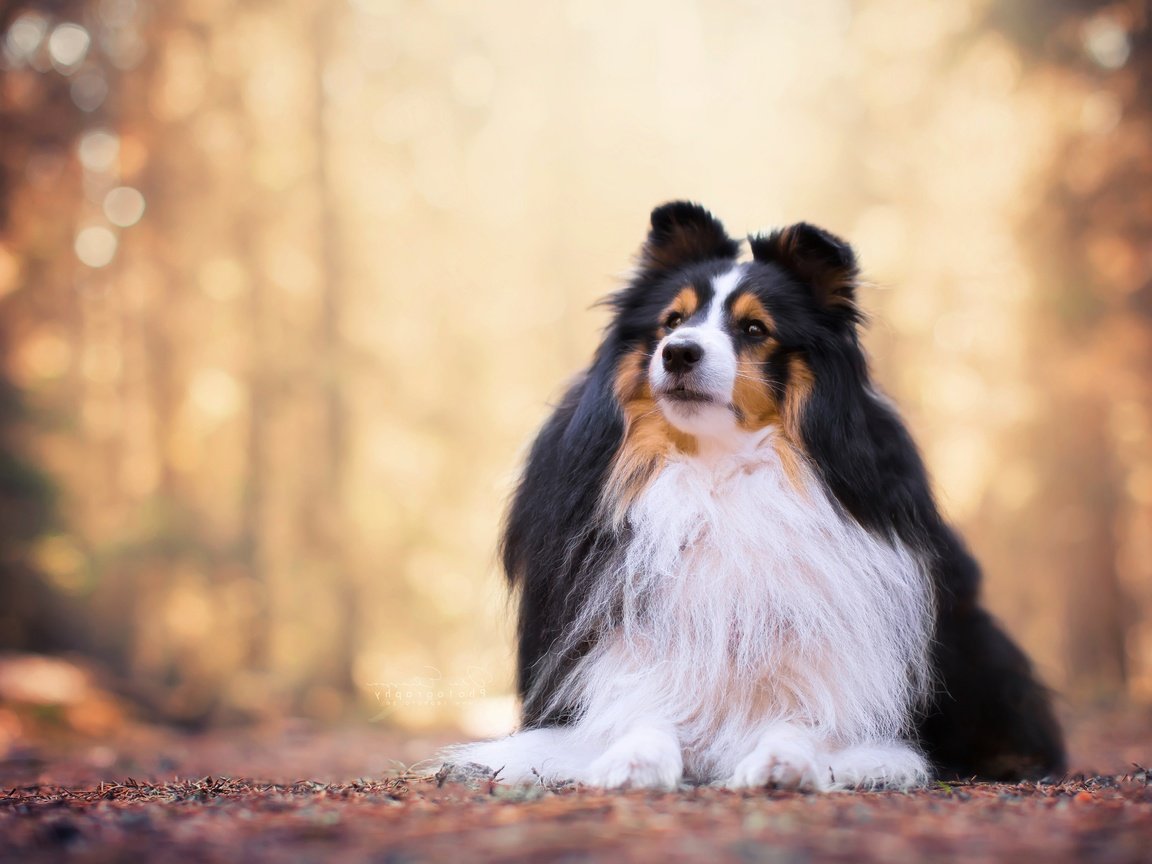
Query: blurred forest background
point(285, 287)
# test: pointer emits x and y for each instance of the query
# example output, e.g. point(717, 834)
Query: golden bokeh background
point(285, 289)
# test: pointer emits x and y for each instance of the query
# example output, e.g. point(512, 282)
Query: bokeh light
point(25, 35)
point(96, 246)
point(68, 45)
point(1106, 41)
point(89, 90)
point(99, 150)
point(124, 206)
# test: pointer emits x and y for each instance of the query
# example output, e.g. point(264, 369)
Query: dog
point(729, 562)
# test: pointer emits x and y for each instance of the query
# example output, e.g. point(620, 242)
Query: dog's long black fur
point(988, 717)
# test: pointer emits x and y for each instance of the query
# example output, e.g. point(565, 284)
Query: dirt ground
point(300, 793)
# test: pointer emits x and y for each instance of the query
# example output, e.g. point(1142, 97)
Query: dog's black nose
point(681, 356)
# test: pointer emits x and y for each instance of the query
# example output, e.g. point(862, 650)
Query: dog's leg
point(646, 757)
point(786, 756)
point(889, 764)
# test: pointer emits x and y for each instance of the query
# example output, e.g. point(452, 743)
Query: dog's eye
point(754, 329)
point(674, 320)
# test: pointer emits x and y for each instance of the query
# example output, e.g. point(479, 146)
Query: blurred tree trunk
point(255, 481)
point(1082, 487)
point(1088, 239)
point(328, 510)
point(38, 126)
point(140, 578)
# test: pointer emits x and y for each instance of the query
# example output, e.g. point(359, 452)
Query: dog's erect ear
point(817, 258)
point(683, 233)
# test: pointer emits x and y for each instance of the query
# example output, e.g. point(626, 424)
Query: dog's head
point(711, 349)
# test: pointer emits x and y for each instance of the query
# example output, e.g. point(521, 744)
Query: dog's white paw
point(893, 765)
point(644, 758)
point(785, 759)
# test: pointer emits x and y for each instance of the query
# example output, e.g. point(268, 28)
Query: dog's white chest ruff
point(749, 627)
point(743, 597)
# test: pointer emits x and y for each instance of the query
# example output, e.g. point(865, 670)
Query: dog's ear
point(683, 233)
point(819, 259)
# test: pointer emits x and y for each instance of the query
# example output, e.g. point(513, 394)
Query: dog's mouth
point(680, 393)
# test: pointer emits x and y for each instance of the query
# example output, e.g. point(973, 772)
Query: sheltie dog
point(729, 562)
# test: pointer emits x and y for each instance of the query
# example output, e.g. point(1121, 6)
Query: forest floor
point(300, 793)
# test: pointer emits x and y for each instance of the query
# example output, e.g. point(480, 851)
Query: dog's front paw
point(891, 765)
point(644, 758)
point(785, 759)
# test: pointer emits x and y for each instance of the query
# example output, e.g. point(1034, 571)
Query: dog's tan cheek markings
point(756, 406)
point(792, 461)
point(796, 396)
point(629, 381)
point(752, 400)
point(790, 445)
point(648, 437)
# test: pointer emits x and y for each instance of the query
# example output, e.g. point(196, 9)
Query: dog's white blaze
point(722, 287)
point(716, 374)
point(752, 623)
